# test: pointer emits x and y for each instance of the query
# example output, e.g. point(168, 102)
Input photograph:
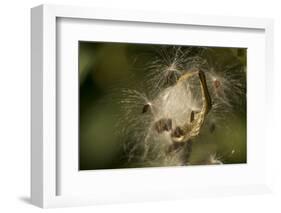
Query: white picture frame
point(45, 156)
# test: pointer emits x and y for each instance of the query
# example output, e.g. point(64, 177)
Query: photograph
point(161, 105)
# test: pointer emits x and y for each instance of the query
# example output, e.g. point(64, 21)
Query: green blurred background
point(105, 68)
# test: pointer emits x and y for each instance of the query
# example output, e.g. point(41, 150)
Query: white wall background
point(15, 105)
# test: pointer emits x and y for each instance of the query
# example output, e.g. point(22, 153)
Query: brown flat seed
point(164, 124)
point(192, 116)
point(145, 108)
point(177, 132)
point(217, 84)
point(212, 127)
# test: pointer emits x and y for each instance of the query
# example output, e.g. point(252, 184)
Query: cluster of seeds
point(185, 92)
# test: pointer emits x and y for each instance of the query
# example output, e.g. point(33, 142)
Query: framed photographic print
point(130, 106)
